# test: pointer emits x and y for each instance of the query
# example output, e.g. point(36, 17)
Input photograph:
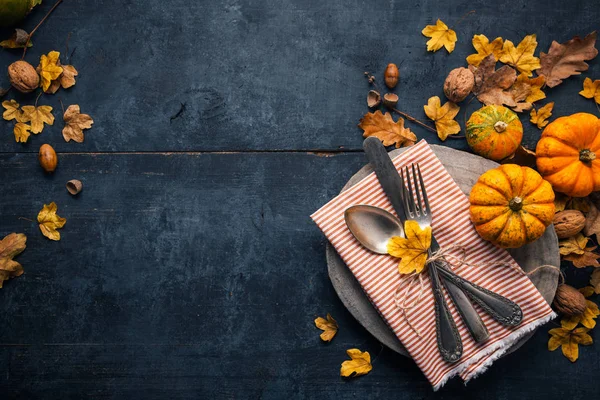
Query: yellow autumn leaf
point(569, 340)
point(38, 116)
point(573, 245)
point(412, 250)
point(588, 290)
point(12, 111)
point(443, 116)
point(591, 89)
point(484, 48)
point(587, 318)
point(49, 69)
point(65, 80)
point(49, 221)
point(540, 117)
point(521, 57)
point(329, 327)
point(360, 364)
point(441, 36)
point(21, 132)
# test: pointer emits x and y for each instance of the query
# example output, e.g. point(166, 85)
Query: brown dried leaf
point(587, 259)
point(493, 86)
point(523, 156)
point(75, 123)
point(592, 222)
point(383, 127)
point(595, 280)
point(11, 246)
point(567, 59)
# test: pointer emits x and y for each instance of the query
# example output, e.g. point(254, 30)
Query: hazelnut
point(391, 76)
point(23, 76)
point(458, 84)
point(569, 301)
point(48, 158)
point(568, 223)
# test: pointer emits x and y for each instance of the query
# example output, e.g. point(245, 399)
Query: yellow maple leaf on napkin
point(360, 364)
point(540, 117)
point(412, 250)
point(484, 48)
point(50, 221)
point(569, 340)
point(521, 57)
point(441, 36)
point(443, 116)
point(329, 327)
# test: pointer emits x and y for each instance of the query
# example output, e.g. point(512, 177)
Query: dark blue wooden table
point(189, 267)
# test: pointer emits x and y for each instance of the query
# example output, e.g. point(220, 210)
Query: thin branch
point(38, 97)
point(416, 121)
point(464, 16)
point(37, 26)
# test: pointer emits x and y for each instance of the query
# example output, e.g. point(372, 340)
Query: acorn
point(569, 301)
point(391, 75)
point(390, 100)
point(48, 158)
point(23, 76)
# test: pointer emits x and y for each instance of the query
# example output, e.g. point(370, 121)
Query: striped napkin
point(379, 277)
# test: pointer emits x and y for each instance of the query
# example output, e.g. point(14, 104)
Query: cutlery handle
point(465, 308)
point(448, 338)
point(503, 310)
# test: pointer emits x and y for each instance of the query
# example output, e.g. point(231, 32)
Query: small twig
point(38, 97)
point(416, 121)
point(37, 26)
point(597, 106)
point(26, 219)
point(62, 106)
point(463, 17)
point(67, 47)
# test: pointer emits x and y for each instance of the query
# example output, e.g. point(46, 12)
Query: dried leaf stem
point(413, 119)
point(37, 26)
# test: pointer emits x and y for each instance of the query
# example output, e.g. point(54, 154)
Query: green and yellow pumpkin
point(494, 132)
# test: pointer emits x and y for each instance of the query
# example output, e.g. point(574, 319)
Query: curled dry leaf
point(360, 364)
point(17, 40)
point(75, 123)
point(441, 36)
point(493, 86)
point(49, 69)
point(523, 157)
point(540, 117)
point(567, 59)
point(21, 132)
point(50, 222)
point(443, 116)
point(383, 127)
point(525, 91)
point(12, 111)
point(329, 327)
point(37, 116)
point(411, 250)
point(595, 280)
point(521, 57)
point(65, 80)
point(575, 250)
point(591, 90)
point(569, 340)
point(484, 48)
point(592, 222)
point(11, 246)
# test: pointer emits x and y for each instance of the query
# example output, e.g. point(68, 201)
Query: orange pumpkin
point(511, 205)
point(494, 132)
point(566, 154)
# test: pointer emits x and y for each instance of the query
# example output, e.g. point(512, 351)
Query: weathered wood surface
point(198, 275)
point(465, 169)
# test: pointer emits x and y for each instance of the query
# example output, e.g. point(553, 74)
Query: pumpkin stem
point(587, 155)
point(500, 126)
point(516, 203)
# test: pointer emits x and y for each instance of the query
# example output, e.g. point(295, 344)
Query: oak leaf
point(493, 86)
point(12, 111)
point(591, 90)
point(484, 48)
point(540, 117)
point(595, 280)
point(383, 127)
point(521, 57)
point(11, 246)
point(37, 116)
point(587, 318)
point(49, 69)
point(411, 250)
point(21, 132)
point(569, 340)
point(592, 222)
point(75, 123)
point(50, 221)
point(441, 36)
point(360, 364)
point(17, 40)
point(329, 327)
point(443, 116)
point(567, 59)
point(574, 249)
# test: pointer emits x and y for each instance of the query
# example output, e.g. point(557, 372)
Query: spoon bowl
point(372, 226)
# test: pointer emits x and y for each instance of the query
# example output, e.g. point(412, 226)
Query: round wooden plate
point(465, 168)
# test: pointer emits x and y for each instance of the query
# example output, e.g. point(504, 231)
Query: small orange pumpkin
point(494, 132)
point(511, 205)
point(566, 155)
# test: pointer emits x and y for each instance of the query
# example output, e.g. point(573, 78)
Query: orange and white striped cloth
point(379, 277)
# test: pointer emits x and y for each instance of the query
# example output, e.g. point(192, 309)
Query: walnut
point(569, 301)
point(23, 76)
point(458, 84)
point(568, 223)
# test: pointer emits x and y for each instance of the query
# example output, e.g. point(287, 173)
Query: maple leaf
point(573, 245)
point(360, 364)
point(592, 222)
point(443, 116)
point(383, 127)
point(590, 89)
point(17, 40)
point(587, 291)
point(484, 48)
point(12, 111)
point(524, 157)
point(567, 59)
point(441, 36)
point(49, 69)
point(569, 340)
point(587, 318)
point(492, 86)
point(50, 221)
point(21, 132)
point(525, 91)
point(521, 57)
point(540, 117)
point(329, 327)
point(65, 80)
point(595, 280)
point(574, 249)
point(38, 116)
point(11, 246)
point(75, 123)
point(411, 250)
